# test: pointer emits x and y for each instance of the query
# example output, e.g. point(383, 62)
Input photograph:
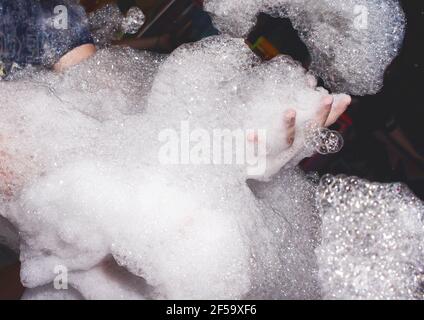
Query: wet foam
point(372, 240)
point(351, 42)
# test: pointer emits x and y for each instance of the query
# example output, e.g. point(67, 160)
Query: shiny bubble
point(372, 237)
point(133, 21)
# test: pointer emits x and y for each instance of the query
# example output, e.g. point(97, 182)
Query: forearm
point(75, 57)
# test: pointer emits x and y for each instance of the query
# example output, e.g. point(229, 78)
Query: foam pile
point(93, 188)
point(372, 240)
point(351, 42)
point(108, 23)
point(105, 24)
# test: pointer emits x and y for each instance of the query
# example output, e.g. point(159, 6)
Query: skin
point(75, 57)
point(328, 113)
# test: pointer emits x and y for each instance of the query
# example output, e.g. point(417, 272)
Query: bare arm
point(75, 56)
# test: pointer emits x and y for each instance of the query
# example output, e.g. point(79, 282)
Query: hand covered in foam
point(231, 89)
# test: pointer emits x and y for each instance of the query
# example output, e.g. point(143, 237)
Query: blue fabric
point(29, 33)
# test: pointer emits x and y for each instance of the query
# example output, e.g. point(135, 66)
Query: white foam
point(351, 42)
point(96, 188)
point(372, 240)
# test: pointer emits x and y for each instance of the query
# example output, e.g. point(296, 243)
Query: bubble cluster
point(372, 240)
point(133, 20)
point(323, 140)
point(96, 190)
point(289, 212)
point(351, 42)
point(108, 23)
point(105, 24)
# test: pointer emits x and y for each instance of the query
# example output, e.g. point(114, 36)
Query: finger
point(312, 80)
point(340, 104)
point(253, 137)
point(324, 111)
point(290, 126)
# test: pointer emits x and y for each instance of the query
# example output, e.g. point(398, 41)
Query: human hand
point(330, 109)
